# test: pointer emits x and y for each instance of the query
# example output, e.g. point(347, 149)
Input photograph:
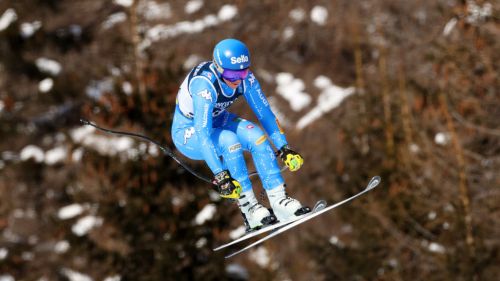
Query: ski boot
point(254, 214)
point(285, 207)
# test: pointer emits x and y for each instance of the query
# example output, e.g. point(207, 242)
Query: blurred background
point(408, 90)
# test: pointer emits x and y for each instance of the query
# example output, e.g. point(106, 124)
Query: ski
point(371, 185)
point(321, 204)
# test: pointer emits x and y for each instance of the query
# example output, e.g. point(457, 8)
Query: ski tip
point(373, 182)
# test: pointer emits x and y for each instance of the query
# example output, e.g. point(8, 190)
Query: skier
point(202, 129)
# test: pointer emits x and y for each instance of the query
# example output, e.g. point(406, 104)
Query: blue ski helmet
point(231, 54)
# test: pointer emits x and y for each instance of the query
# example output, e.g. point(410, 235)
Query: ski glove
point(292, 159)
point(226, 186)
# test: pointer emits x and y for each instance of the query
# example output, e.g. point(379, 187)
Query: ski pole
point(165, 150)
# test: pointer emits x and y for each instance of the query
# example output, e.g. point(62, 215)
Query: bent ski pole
point(165, 150)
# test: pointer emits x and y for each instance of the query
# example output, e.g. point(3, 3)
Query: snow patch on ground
point(8, 17)
point(70, 211)
point(238, 232)
point(193, 6)
point(162, 31)
point(292, 90)
point(442, 138)
point(75, 276)
point(49, 66)
point(114, 19)
point(319, 15)
point(86, 224)
point(331, 97)
point(205, 214)
point(32, 151)
point(261, 257)
point(29, 28)
point(45, 85)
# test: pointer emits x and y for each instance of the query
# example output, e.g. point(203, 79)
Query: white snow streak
point(205, 214)
point(442, 138)
point(193, 6)
point(49, 66)
point(75, 276)
point(330, 98)
point(28, 29)
point(319, 15)
point(292, 89)
point(8, 17)
point(70, 211)
point(162, 31)
point(32, 151)
point(45, 85)
point(86, 224)
point(261, 257)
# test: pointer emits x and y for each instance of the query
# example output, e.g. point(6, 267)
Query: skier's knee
point(256, 137)
point(229, 141)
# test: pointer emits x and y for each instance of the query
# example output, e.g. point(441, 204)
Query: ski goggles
point(234, 75)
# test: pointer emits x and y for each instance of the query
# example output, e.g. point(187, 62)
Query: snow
point(449, 26)
point(114, 19)
point(105, 144)
point(292, 89)
point(85, 224)
point(192, 61)
point(29, 28)
point(477, 14)
point(113, 278)
point(8, 17)
point(238, 232)
point(70, 211)
point(227, 12)
point(127, 88)
point(330, 98)
point(162, 31)
point(6, 277)
point(56, 155)
point(45, 85)
point(431, 215)
point(205, 214)
point(49, 66)
point(237, 272)
point(32, 151)
point(261, 257)
point(436, 248)
point(124, 3)
point(442, 138)
point(152, 10)
point(288, 33)
point(77, 155)
point(201, 242)
point(319, 15)
point(61, 247)
point(3, 253)
point(75, 276)
point(297, 14)
point(97, 88)
point(193, 6)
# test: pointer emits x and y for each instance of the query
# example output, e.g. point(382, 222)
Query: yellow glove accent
point(235, 194)
point(294, 162)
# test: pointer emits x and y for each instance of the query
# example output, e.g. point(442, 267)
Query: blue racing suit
point(202, 128)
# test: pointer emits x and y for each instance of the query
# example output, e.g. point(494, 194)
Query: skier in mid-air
point(203, 129)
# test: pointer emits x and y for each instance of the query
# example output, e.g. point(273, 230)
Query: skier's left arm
point(260, 106)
